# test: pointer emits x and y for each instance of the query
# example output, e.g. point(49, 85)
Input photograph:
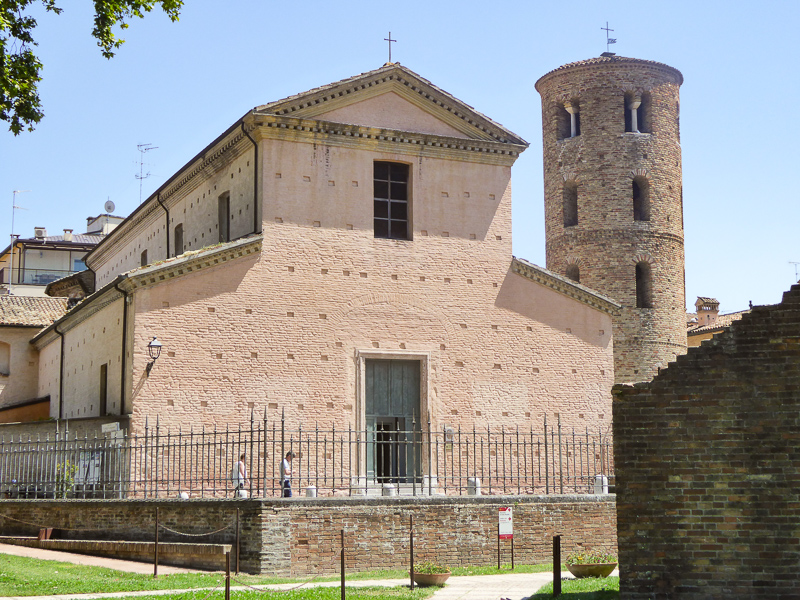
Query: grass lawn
point(590, 588)
point(20, 576)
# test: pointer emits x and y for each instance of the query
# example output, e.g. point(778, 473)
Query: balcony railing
point(33, 276)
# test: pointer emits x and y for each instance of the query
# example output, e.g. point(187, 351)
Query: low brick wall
point(302, 536)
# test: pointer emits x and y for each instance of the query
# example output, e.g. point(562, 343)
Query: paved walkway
point(514, 586)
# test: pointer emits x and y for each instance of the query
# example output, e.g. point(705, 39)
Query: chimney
point(39, 233)
point(68, 235)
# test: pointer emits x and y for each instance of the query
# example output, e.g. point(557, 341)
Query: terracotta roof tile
point(25, 311)
point(723, 321)
point(601, 60)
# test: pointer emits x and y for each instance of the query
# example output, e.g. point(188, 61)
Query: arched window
point(641, 199)
point(5, 359)
point(570, 203)
point(637, 113)
point(573, 272)
point(568, 120)
point(644, 285)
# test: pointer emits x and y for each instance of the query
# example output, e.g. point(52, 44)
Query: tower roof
point(603, 61)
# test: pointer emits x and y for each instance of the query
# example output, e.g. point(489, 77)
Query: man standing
point(286, 474)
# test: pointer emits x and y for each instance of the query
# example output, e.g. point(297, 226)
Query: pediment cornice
point(393, 77)
point(383, 140)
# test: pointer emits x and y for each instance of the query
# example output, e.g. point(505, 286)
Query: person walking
point(239, 477)
point(286, 474)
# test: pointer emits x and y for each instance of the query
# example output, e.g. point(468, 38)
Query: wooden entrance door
point(392, 418)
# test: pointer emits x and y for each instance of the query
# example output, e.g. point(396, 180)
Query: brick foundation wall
point(302, 537)
point(708, 464)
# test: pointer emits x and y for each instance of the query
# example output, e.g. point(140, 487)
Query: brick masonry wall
point(286, 330)
point(301, 537)
point(708, 466)
point(607, 242)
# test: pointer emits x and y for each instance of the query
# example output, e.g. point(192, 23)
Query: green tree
point(20, 68)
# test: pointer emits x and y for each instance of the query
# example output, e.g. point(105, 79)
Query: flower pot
point(425, 579)
point(592, 570)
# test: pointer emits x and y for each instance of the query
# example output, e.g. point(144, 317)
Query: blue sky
point(178, 85)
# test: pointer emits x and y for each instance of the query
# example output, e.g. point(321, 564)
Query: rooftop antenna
point(142, 176)
point(14, 208)
point(390, 40)
point(796, 264)
point(609, 40)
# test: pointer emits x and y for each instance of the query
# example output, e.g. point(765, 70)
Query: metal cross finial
point(609, 40)
point(390, 40)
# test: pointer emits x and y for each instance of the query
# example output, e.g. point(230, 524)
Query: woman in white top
point(240, 476)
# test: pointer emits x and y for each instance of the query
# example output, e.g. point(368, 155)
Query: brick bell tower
point(614, 199)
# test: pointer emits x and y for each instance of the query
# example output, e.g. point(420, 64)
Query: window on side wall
point(178, 239)
point(391, 210)
point(5, 359)
point(224, 214)
point(143, 258)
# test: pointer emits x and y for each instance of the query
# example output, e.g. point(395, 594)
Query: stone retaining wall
point(301, 537)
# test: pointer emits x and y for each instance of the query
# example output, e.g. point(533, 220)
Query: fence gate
point(392, 403)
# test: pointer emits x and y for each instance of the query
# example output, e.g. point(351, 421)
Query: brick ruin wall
point(301, 537)
point(606, 243)
point(708, 466)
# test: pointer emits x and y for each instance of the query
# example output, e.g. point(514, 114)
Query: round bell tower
point(614, 200)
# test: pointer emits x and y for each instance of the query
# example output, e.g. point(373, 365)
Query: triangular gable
point(390, 111)
point(372, 93)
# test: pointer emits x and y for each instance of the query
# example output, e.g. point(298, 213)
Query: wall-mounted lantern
point(154, 350)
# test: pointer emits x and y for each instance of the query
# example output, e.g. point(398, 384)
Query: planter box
point(592, 570)
point(426, 579)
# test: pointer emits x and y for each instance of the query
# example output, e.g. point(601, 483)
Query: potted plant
point(429, 573)
point(591, 563)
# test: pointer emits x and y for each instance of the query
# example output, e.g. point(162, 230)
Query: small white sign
point(506, 523)
point(109, 427)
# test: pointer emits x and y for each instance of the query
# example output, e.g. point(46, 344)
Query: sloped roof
point(722, 322)
point(609, 60)
point(25, 311)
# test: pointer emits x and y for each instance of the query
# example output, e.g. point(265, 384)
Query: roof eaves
point(565, 286)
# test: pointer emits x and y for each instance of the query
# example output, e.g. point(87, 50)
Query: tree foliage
point(20, 68)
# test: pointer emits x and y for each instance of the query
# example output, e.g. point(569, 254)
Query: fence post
point(155, 553)
point(560, 464)
point(556, 565)
point(411, 550)
point(342, 567)
point(237, 541)
point(227, 576)
point(546, 463)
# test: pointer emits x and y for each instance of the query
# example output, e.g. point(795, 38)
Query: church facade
point(340, 257)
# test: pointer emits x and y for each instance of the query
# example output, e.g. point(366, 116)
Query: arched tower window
point(637, 113)
point(644, 285)
point(573, 272)
point(569, 120)
point(641, 199)
point(5, 359)
point(570, 203)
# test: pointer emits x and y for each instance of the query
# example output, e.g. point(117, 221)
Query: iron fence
point(327, 462)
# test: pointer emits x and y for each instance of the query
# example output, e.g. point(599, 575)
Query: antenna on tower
point(142, 175)
point(796, 264)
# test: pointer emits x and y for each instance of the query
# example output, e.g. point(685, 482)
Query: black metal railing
point(330, 461)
